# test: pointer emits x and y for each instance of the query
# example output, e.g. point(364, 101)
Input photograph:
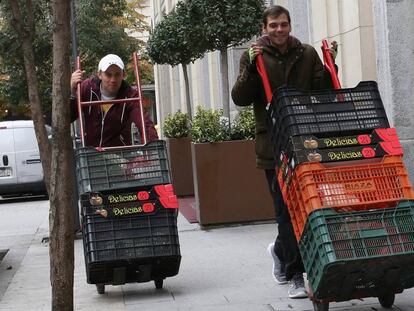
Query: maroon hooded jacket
point(114, 127)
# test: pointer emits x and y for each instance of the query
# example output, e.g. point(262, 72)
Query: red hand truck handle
point(265, 79)
point(329, 64)
point(143, 133)
point(115, 101)
point(79, 104)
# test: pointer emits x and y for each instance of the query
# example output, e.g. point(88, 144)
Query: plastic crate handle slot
point(373, 233)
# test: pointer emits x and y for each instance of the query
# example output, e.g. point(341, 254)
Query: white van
point(21, 171)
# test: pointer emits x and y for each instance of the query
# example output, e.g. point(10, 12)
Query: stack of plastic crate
point(340, 168)
point(335, 149)
point(129, 214)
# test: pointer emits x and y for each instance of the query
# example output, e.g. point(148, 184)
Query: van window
point(25, 139)
point(6, 140)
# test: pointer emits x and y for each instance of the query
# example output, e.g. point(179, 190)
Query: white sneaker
point(297, 287)
point(278, 269)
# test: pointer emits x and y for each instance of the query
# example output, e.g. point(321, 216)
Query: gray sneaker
point(297, 287)
point(278, 269)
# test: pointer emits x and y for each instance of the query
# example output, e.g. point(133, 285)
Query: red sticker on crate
point(368, 152)
point(364, 139)
point(148, 207)
point(143, 195)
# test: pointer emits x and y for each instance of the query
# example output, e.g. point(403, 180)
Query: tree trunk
point(57, 159)
point(187, 91)
point(26, 34)
point(225, 81)
point(61, 180)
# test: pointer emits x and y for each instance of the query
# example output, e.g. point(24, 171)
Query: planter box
point(179, 150)
point(227, 185)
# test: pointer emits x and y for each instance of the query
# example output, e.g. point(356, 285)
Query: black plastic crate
point(133, 237)
point(359, 254)
point(142, 194)
point(325, 113)
point(125, 168)
point(149, 241)
point(133, 208)
point(314, 142)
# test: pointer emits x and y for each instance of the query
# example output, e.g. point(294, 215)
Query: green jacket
point(299, 67)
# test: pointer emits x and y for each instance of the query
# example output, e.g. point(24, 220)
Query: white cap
point(108, 60)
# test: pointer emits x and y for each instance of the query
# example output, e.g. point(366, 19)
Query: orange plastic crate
point(346, 188)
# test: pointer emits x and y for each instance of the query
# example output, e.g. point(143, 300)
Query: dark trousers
point(286, 246)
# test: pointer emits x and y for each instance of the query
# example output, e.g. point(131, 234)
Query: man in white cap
point(110, 124)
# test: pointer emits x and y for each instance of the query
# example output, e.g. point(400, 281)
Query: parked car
point(21, 170)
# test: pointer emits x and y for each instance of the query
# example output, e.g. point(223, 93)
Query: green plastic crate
point(359, 254)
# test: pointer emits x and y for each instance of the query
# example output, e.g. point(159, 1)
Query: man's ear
point(264, 32)
point(100, 74)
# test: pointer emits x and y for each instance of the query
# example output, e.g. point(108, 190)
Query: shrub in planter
point(228, 187)
point(177, 125)
point(243, 127)
point(209, 126)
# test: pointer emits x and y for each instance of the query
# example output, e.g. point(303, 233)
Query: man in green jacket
point(288, 62)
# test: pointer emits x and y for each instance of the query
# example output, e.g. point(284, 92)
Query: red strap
point(265, 80)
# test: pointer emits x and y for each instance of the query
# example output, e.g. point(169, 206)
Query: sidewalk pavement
point(223, 268)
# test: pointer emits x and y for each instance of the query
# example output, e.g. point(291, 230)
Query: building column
point(393, 24)
point(299, 14)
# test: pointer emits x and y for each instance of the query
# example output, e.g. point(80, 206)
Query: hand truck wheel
point(320, 306)
point(387, 300)
point(158, 283)
point(100, 288)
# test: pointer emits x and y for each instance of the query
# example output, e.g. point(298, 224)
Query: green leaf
point(177, 125)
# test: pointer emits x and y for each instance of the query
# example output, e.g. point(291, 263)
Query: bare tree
point(57, 156)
